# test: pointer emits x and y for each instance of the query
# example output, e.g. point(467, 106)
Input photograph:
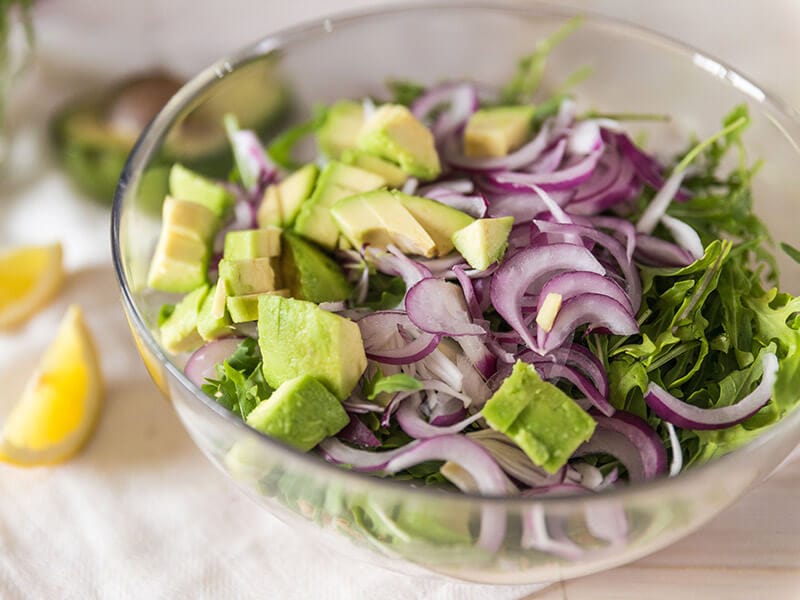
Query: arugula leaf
point(240, 386)
point(530, 68)
point(380, 383)
point(791, 251)
point(384, 291)
point(404, 92)
point(281, 148)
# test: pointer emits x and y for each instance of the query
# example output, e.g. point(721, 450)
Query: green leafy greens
point(240, 385)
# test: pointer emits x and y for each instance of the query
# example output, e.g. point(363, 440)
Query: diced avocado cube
point(282, 201)
point(193, 187)
point(247, 276)
point(309, 273)
point(439, 220)
point(395, 134)
point(483, 241)
point(209, 326)
point(443, 525)
point(336, 181)
point(492, 132)
point(301, 412)
point(294, 190)
point(245, 308)
point(379, 219)
point(269, 211)
point(394, 175)
point(341, 127)
point(541, 419)
point(252, 243)
point(299, 338)
point(189, 218)
point(179, 331)
point(180, 263)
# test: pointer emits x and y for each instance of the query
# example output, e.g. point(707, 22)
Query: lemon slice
point(60, 405)
point(29, 277)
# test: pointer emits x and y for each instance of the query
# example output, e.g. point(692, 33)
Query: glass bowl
point(419, 530)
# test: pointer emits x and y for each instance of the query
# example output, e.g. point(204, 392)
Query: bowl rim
point(149, 139)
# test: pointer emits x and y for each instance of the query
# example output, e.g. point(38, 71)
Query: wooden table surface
point(751, 551)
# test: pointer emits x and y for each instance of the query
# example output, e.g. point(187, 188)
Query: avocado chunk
point(445, 525)
point(543, 421)
point(189, 218)
point(245, 308)
point(210, 326)
point(336, 181)
point(179, 331)
point(395, 134)
point(180, 263)
point(394, 175)
point(282, 201)
point(483, 241)
point(188, 185)
point(492, 132)
point(309, 273)
point(246, 276)
point(252, 243)
point(341, 127)
point(439, 220)
point(379, 219)
point(299, 338)
point(301, 412)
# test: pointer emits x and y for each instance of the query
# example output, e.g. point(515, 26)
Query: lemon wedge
point(29, 277)
point(61, 402)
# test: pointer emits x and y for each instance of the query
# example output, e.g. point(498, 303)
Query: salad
point(483, 289)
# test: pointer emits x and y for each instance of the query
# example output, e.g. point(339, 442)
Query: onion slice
point(413, 424)
point(438, 307)
point(682, 414)
point(202, 364)
point(530, 268)
point(381, 332)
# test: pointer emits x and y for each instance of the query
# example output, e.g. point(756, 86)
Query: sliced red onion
point(489, 477)
point(380, 333)
point(685, 236)
point(552, 206)
point(632, 282)
point(457, 186)
point(447, 412)
point(549, 160)
point(367, 108)
point(522, 157)
point(436, 306)
point(589, 476)
point(360, 407)
point(469, 293)
point(473, 382)
point(647, 167)
point(359, 434)
point(202, 364)
point(527, 271)
point(568, 285)
point(255, 168)
point(394, 262)
point(584, 138)
point(512, 460)
point(580, 358)
point(676, 464)
point(439, 266)
point(656, 252)
point(410, 186)
point(620, 226)
point(684, 415)
point(437, 366)
point(460, 99)
point(607, 521)
point(564, 179)
point(413, 424)
point(630, 440)
point(478, 354)
point(361, 460)
point(658, 205)
point(475, 205)
point(567, 111)
point(535, 531)
point(596, 310)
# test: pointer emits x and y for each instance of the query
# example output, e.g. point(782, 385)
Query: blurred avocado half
point(94, 133)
